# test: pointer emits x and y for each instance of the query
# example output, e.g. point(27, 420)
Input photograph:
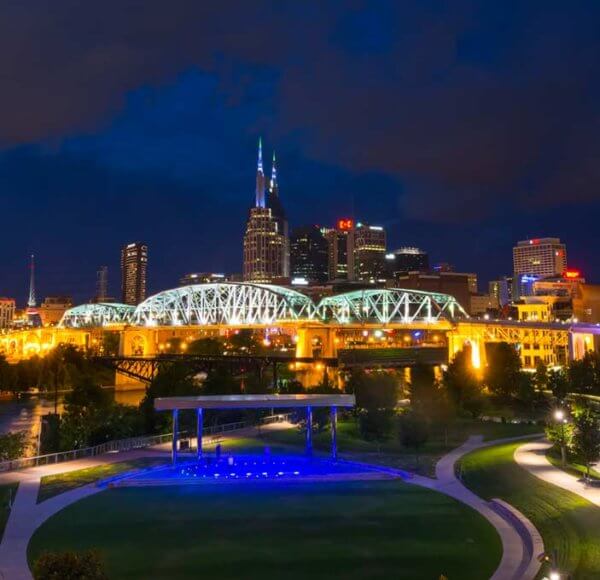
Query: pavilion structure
point(228, 402)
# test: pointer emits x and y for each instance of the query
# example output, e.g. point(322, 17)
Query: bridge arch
point(390, 305)
point(228, 303)
point(93, 315)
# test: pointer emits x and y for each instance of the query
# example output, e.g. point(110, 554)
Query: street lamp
point(554, 576)
point(559, 415)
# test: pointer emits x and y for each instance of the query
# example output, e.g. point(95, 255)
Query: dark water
point(23, 414)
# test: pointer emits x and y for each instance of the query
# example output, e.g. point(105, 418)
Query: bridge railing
point(129, 444)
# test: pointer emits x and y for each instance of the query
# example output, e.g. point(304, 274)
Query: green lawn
point(393, 453)
point(567, 522)
point(52, 485)
point(572, 467)
point(350, 530)
point(7, 492)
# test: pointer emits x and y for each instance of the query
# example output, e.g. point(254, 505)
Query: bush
point(87, 565)
point(12, 445)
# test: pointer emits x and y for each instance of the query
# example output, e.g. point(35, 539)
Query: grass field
point(7, 492)
point(567, 522)
point(52, 485)
point(572, 467)
point(351, 530)
point(392, 453)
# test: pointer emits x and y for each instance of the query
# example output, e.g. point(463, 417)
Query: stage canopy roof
point(253, 402)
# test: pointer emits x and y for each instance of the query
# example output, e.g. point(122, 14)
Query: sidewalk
point(532, 457)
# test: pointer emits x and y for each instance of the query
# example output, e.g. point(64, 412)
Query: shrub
point(87, 565)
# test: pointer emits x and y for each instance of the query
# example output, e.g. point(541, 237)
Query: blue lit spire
point(260, 178)
point(31, 301)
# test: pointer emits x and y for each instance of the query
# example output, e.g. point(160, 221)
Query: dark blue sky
point(461, 127)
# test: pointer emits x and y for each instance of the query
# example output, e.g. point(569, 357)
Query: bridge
point(355, 326)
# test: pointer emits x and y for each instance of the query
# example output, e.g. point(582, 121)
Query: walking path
point(27, 515)
point(532, 457)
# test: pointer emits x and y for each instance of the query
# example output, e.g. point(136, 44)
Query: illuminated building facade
point(340, 250)
point(266, 246)
point(134, 265)
point(369, 253)
point(309, 255)
point(208, 278)
point(7, 311)
point(537, 258)
point(501, 290)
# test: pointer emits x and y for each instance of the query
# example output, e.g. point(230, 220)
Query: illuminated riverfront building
point(134, 264)
point(52, 309)
point(266, 247)
point(369, 253)
point(7, 311)
point(309, 255)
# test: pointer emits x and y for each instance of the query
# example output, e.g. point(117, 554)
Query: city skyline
point(167, 156)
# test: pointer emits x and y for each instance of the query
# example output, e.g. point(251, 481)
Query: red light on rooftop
point(572, 274)
point(345, 224)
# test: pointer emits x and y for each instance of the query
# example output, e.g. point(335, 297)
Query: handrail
point(129, 444)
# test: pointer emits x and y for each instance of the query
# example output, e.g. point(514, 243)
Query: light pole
point(559, 415)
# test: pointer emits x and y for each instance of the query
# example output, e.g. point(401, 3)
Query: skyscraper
point(369, 252)
point(406, 260)
point(101, 284)
point(134, 263)
point(340, 249)
point(309, 254)
point(537, 258)
point(266, 246)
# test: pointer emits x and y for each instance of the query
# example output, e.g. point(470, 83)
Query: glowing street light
point(559, 416)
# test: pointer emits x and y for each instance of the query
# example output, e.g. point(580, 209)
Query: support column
point(175, 436)
point(334, 433)
point(199, 429)
point(309, 446)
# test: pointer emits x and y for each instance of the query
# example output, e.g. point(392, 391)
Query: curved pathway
point(532, 457)
point(27, 515)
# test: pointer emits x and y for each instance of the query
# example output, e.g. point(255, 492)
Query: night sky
point(461, 127)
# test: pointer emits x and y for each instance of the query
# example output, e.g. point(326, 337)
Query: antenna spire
point(260, 178)
point(31, 301)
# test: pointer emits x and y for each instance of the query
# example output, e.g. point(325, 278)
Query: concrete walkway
point(532, 457)
point(518, 562)
point(27, 515)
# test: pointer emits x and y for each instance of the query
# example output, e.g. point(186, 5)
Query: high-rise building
point(537, 258)
point(101, 284)
point(134, 264)
point(501, 290)
point(208, 278)
point(309, 254)
point(7, 311)
point(274, 202)
point(340, 250)
point(369, 253)
point(266, 247)
point(406, 260)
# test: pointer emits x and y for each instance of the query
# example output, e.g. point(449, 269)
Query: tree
point(12, 445)
point(504, 367)
point(586, 439)
point(377, 390)
point(423, 389)
point(414, 431)
point(584, 374)
point(558, 383)
point(376, 424)
point(462, 385)
point(206, 346)
point(561, 434)
point(87, 565)
point(540, 378)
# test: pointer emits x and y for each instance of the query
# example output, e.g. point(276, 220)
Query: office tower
point(7, 311)
point(266, 248)
point(369, 252)
point(134, 264)
point(406, 260)
point(309, 254)
point(537, 258)
point(102, 284)
point(31, 301)
point(340, 250)
point(274, 202)
point(501, 290)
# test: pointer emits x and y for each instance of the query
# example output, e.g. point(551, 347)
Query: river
point(24, 413)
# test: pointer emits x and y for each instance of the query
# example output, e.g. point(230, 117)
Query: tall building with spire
point(31, 301)
point(266, 243)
